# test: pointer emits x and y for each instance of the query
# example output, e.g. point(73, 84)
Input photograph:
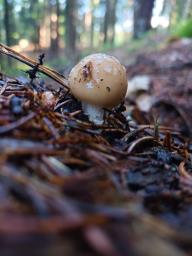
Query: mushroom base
point(94, 113)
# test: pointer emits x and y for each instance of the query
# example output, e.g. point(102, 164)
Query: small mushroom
point(98, 81)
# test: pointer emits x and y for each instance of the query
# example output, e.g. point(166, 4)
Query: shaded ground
point(170, 73)
point(124, 188)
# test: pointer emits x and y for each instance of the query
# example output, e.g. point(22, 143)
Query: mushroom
point(98, 81)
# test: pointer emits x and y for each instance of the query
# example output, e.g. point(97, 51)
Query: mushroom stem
point(94, 113)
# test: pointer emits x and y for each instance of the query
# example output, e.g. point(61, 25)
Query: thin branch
point(30, 62)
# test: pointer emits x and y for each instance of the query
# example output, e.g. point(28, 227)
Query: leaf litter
point(121, 188)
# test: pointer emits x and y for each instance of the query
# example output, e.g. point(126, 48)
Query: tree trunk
point(109, 21)
point(54, 26)
point(70, 25)
point(113, 21)
point(7, 23)
point(142, 17)
point(92, 24)
point(34, 19)
point(106, 20)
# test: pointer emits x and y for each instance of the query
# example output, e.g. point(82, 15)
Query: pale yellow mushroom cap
point(99, 80)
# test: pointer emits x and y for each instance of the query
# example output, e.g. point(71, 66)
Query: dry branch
point(30, 62)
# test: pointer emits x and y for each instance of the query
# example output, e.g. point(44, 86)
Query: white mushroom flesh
point(94, 113)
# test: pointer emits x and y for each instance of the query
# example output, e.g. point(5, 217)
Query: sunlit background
point(69, 29)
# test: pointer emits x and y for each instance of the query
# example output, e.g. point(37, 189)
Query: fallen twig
point(28, 61)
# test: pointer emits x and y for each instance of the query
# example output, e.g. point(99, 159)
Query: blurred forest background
point(66, 30)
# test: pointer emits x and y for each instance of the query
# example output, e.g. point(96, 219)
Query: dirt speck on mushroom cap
point(99, 79)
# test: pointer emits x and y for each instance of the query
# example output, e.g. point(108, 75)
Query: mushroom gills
point(94, 113)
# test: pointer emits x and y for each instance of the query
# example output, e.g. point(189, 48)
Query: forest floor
point(123, 188)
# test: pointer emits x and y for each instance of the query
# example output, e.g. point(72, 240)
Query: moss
point(183, 29)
